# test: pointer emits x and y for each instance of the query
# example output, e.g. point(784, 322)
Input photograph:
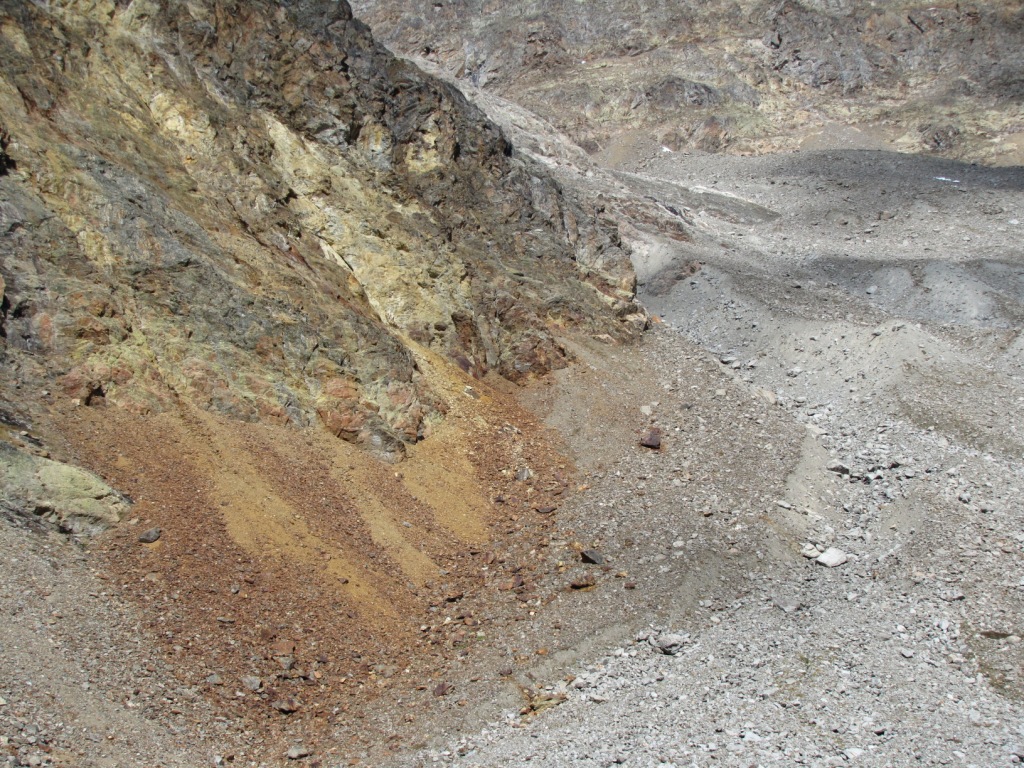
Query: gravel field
point(822, 563)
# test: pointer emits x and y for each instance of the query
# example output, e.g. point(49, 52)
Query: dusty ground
point(837, 365)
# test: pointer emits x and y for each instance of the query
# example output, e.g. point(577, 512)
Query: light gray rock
point(252, 682)
point(810, 551)
point(668, 643)
point(832, 557)
point(786, 604)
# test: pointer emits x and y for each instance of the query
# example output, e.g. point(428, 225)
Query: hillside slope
point(249, 263)
point(739, 76)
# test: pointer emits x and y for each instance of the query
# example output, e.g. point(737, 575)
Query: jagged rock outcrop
point(739, 75)
point(256, 209)
point(74, 500)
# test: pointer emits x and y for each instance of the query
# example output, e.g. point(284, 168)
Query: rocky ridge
point(248, 260)
point(738, 77)
point(185, 221)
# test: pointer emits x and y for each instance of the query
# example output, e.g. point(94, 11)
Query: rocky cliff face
point(741, 76)
point(257, 210)
point(230, 234)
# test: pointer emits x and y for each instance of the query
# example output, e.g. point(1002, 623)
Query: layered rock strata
point(257, 210)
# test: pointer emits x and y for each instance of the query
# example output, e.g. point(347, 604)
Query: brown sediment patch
point(259, 506)
point(272, 535)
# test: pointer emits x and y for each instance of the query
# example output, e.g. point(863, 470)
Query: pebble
point(810, 551)
point(786, 604)
point(652, 439)
point(286, 706)
point(150, 536)
point(297, 753)
point(669, 643)
point(592, 556)
point(251, 682)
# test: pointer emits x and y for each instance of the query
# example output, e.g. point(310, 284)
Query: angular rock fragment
point(286, 706)
point(592, 556)
point(832, 557)
point(668, 643)
point(810, 551)
point(652, 439)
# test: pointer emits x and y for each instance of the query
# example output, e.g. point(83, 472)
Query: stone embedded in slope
point(73, 499)
point(832, 557)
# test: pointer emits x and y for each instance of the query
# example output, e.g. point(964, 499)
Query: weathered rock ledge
point(258, 210)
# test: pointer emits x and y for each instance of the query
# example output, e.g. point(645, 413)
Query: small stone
point(838, 467)
point(871, 290)
point(150, 536)
point(810, 551)
point(297, 753)
point(786, 604)
point(832, 557)
point(252, 682)
point(215, 679)
point(443, 689)
point(282, 648)
point(585, 582)
point(286, 706)
point(669, 643)
point(592, 556)
point(853, 753)
point(652, 439)
point(906, 653)
point(524, 474)
point(646, 410)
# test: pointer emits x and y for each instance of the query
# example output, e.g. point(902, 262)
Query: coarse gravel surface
point(824, 561)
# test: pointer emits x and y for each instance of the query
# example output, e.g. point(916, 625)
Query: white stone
point(832, 557)
point(810, 551)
